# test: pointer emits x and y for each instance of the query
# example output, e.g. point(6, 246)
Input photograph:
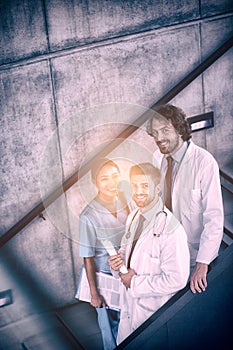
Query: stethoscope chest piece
point(128, 234)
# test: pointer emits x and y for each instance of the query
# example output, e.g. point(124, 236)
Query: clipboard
point(107, 285)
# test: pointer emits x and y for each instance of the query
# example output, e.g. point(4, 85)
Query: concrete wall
point(74, 74)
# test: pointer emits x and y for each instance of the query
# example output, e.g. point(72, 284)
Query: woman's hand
point(98, 301)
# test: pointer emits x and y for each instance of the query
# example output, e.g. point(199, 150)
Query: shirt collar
point(178, 155)
point(148, 215)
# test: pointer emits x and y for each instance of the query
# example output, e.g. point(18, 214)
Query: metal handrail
point(226, 176)
point(113, 144)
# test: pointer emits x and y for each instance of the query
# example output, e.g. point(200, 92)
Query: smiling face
point(107, 181)
point(165, 135)
point(145, 191)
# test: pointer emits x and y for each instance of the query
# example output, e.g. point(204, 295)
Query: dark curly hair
point(176, 116)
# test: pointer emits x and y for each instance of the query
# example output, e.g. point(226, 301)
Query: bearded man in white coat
point(154, 249)
point(196, 197)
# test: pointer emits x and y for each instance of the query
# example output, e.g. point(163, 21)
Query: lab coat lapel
point(141, 239)
point(132, 230)
point(181, 176)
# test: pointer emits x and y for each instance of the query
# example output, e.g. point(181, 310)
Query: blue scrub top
point(96, 223)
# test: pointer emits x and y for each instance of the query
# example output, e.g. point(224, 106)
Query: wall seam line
point(107, 42)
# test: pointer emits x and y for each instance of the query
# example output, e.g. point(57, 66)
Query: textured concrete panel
point(218, 87)
point(214, 7)
point(77, 22)
point(26, 122)
point(135, 71)
point(40, 256)
point(22, 29)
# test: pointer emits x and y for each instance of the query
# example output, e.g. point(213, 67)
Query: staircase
point(186, 321)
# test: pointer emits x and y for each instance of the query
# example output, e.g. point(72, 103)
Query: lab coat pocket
point(151, 265)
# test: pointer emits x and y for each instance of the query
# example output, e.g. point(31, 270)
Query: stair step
point(81, 319)
point(226, 176)
point(55, 338)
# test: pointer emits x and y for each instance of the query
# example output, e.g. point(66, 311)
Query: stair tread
point(55, 338)
point(81, 318)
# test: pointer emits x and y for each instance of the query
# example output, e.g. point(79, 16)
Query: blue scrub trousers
point(108, 321)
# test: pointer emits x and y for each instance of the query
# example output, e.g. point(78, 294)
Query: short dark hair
point(99, 164)
point(146, 169)
point(177, 117)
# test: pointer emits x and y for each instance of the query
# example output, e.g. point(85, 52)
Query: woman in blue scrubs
point(104, 218)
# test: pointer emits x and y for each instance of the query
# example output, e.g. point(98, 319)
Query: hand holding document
point(112, 251)
point(108, 285)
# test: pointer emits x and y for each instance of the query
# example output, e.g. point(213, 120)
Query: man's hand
point(115, 262)
point(98, 301)
point(127, 277)
point(198, 282)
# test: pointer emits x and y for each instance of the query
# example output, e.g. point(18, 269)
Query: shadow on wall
point(25, 286)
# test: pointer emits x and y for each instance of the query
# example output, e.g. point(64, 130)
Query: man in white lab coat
point(196, 198)
point(156, 253)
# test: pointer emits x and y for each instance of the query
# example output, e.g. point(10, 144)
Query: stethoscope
point(160, 223)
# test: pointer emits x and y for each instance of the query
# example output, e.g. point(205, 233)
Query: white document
point(112, 251)
point(108, 286)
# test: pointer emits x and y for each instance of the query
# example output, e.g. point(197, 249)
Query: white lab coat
point(197, 203)
point(162, 268)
